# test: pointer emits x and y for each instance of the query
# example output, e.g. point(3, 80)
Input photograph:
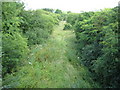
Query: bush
point(97, 39)
point(38, 25)
point(17, 24)
point(14, 51)
point(72, 18)
point(36, 36)
point(68, 26)
point(14, 45)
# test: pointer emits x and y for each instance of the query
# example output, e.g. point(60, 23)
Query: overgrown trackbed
point(55, 64)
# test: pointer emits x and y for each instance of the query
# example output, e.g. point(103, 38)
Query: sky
point(71, 5)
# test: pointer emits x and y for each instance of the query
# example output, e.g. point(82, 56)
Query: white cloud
point(71, 5)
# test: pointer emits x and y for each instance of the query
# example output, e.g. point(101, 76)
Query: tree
point(48, 9)
point(14, 45)
point(58, 11)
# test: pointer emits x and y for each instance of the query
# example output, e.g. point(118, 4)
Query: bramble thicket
point(97, 38)
point(34, 38)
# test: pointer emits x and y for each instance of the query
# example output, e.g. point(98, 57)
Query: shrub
point(72, 18)
point(97, 39)
point(14, 45)
point(38, 25)
point(68, 26)
point(36, 36)
point(14, 51)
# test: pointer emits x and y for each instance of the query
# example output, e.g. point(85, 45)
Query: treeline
point(20, 30)
point(97, 38)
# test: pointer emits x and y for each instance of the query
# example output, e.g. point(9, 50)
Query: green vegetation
point(48, 9)
point(37, 25)
point(22, 29)
point(72, 18)
point(68, 26)
point(48, 48)
point(58, 11)
point(52, 65)
point(97, 39)
point(14, 45)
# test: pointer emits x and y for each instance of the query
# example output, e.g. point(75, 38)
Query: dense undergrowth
point(97, 38)
point(40, 52)
point(52, 65)
point(21, 30)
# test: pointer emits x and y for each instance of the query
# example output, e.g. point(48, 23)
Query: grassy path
point(54, 64)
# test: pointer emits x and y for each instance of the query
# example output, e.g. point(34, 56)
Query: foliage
point(10, 12)
point(14, 45)
point(48, 9)
point(63, 17)
point(58, 11)
point(49, 66)
point(68, 26)
point(37, 25)
point(96, 34)
point(97, 46)
point(71, 18)
point(20, 29)
point(14, 50)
